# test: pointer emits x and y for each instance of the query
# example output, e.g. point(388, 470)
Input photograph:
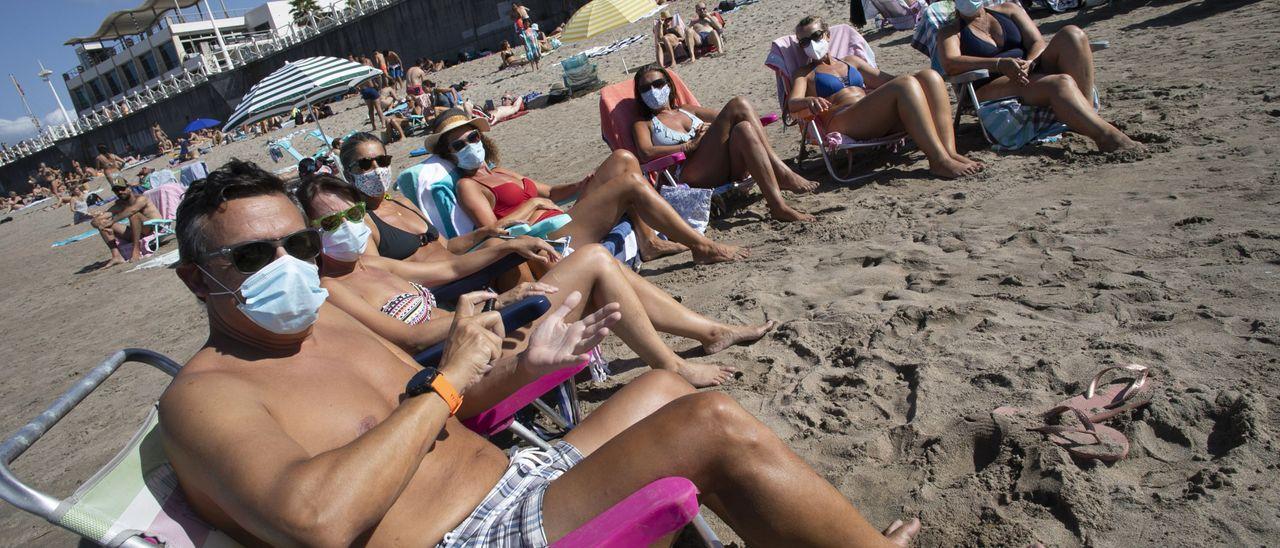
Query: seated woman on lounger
point(856, 99)
point(720, 146)
point(376, 292)
point(494, 196)
point(1057, 74)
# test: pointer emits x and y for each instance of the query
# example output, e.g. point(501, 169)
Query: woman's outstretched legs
point(935, 93)
point(1060, 92)
point(901, 103)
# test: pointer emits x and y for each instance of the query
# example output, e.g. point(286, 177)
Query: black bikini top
point(398, 244)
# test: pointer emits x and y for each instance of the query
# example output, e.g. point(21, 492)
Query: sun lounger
point(580, 75)
point(135, 500)
point(785, 59)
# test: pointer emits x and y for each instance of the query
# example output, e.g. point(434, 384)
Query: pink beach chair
point(785, 58)
point(135, 500)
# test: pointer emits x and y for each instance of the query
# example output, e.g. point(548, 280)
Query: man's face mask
point(283, 298)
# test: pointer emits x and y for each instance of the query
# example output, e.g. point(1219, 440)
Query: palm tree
point(303, 8)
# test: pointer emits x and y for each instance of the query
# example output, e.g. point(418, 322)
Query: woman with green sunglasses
point(378, 292)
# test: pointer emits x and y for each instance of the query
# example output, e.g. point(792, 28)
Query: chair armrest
point(663, 162)
point(448, 294)
point(967, 77)
point(514, 316)
point(769, 118)
point(497, 418)
point(653, 512)
point(1099, 45)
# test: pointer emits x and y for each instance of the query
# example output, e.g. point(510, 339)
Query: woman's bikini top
point(828, 84)
point(663, 135)
point(508, 196)
point(399, 244)
point(411, 308)
point(973, 46)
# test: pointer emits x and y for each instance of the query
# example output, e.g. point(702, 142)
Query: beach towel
point(621, 43)
point(76, 238)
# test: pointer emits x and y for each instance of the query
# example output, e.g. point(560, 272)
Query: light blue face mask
point(283, 298)
point(471, 157)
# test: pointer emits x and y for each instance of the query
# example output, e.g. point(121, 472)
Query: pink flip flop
point(1118, 396)
point(1093, 441)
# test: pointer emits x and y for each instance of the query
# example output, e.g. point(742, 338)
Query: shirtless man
point(128, 205)
point(108, 163)
point(395, 68)
point(706, 29)
point(413, 86)
point(297, 425)
point(380, 63)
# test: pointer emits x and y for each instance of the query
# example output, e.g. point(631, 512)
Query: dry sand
point(908, 311)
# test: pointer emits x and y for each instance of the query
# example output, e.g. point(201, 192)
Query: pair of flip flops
point(1098, 404)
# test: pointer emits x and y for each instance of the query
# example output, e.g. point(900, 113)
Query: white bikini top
point(665, 136)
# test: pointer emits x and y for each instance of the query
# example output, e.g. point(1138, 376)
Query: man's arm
point(139, 203)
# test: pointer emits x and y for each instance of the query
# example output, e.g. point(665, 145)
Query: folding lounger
point(785, 59)
point(135, 500)
point(580, 75)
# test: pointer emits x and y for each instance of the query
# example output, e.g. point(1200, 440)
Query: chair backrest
point(166, 198)
point(137, 494)
point(619, 110)
point(431, 186)
point(786, 57)
point(573, 63)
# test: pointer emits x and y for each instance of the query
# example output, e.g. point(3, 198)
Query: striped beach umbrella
point(298, 83)
point(604, 15)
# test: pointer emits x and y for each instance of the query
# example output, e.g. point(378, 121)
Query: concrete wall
point(414, 28)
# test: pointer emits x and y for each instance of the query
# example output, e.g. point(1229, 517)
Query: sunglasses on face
point(805, 41)
point(252, 256)
point(365, 164)
point(656, 84)
point(472, 137)
point(332, 221)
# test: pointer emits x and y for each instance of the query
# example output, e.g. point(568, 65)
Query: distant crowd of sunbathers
point(305, 419)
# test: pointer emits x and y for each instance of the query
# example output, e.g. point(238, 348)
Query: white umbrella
point(296, 84)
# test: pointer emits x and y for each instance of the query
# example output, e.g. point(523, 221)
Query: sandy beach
point(908, 311)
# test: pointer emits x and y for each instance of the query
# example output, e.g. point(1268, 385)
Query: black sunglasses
point(656, 84)
point(472, 137)
point(251, 256)
point(365, 164)
point(817, 35)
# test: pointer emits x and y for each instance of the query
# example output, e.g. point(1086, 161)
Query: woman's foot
point(951, 168)
point(724, 337)
point(900, 534)
point(702, 375)
point(795, 183)
point(719, 253)
point(967, 160)
point(1118, 142)
point(657, 248)
point(787, 214)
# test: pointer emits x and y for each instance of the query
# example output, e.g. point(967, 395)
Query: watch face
point(421, 382)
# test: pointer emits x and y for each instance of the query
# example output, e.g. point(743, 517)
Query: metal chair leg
point(705, 533)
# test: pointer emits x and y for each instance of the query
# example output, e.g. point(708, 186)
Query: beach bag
point(693, 204)
point(1012, 125)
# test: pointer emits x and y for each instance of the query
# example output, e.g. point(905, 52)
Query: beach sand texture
point(908, 311)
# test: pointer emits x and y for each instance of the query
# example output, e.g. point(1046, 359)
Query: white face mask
point(655, 99)
point(817, 49)
point(283, 298)
point(374, 182)
point(471, 157)
point(347, 242)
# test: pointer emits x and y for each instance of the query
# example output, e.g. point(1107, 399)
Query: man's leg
point(748, 476)
point(111, 234)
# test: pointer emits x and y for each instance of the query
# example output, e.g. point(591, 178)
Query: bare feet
point(967, 160)
point(658, 248)
point(727, 336)
point(114, 261)
point(1118, 142)
point(900, 533)
point(787, 214)
point(702, 375)
point(795, 183)
point(719, 253)
point(951, 169)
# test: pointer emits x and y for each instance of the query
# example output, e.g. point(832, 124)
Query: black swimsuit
point(398, 244)
point(971, 45)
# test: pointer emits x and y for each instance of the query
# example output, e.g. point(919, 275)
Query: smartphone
point(561, 245)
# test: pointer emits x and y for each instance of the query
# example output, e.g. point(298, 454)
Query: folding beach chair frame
point(812, 132)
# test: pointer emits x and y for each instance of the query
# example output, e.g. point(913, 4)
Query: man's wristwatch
point(430, 380)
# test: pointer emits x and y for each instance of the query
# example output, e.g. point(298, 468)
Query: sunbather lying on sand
point(492, 195)
point(863, 102)
point(378, 291)
point(297, 425)
point(1059, 74)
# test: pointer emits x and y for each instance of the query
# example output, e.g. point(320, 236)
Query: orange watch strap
point(446, 391)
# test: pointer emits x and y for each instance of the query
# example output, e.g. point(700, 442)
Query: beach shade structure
point(605, 15)
point(199, 124)
point(298, 83)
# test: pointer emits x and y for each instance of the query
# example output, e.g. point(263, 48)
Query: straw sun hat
point(452, 119)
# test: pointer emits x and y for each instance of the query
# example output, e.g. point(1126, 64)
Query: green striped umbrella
point(295, 84)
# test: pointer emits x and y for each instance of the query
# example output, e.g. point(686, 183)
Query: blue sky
point(36, 29)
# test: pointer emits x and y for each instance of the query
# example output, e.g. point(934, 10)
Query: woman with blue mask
point(390, 297)
point(720, 146)
point(854, 98)
point(1058, 74)
point(494, 195)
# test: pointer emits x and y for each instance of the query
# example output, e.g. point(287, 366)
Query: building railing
point(194, 72)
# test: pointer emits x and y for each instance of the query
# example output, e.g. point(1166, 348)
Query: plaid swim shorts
point(510, 516)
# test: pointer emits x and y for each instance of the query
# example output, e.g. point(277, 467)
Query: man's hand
point(526, 289)
point(474, 342)
point(533, 249)
point(555, 345)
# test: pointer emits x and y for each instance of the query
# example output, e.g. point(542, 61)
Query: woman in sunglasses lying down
point(494, 196)
point(403, 312)
point(720, 146)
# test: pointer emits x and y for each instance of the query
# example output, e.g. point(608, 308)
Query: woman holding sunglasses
point(495, 196)
point(730, 147)
point(375, 291)
point(856, 99)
